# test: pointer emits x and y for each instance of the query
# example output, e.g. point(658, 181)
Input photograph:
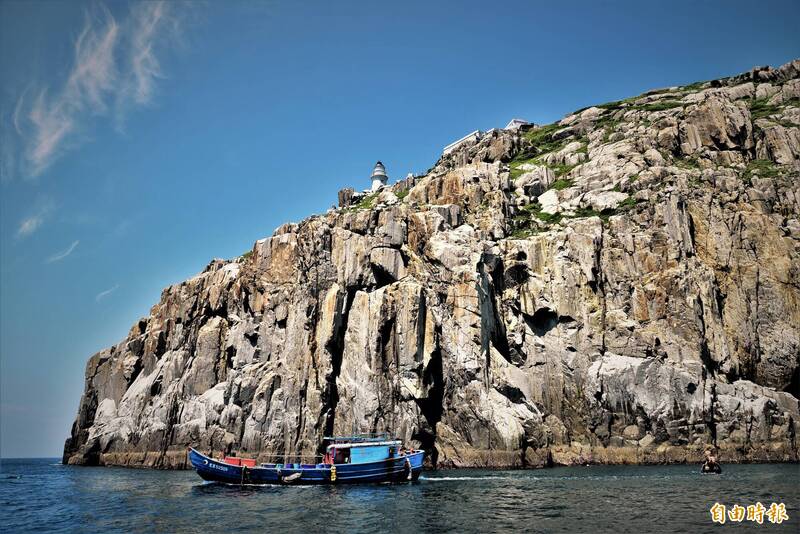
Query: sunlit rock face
point(621, 286)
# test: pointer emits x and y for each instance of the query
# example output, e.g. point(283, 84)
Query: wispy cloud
point(103, 294)
point(63, 254)
point(17, 110)
point(29, 225)
point(34, 221)
point(145, 67)
point(115, 68)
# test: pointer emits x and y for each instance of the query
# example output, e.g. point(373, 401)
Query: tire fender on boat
point(291, 478)
point(408, 468)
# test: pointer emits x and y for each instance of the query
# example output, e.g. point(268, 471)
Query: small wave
point(446, 479)
point(525, 477)
point(211, 484)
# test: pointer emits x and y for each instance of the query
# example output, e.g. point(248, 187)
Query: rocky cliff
point(620, 286)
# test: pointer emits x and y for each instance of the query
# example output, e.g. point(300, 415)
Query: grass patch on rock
point(628, 203)
point(763, 168)
point(689, 163)
point(618, 104)
point(562, 183)
point(604, 215)
point(609, 122)
point(515, 165)
point(559, 169)
point(542, 142)
point(760, 108)
point(365, 203)
point(530, 219)
point(548, 218)
point(542, 139)
point(523, 224)
point(663, 105)
point(696, 86)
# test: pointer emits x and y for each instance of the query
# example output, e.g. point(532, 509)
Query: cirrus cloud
point(103, 294)
point(29, 225)
point(34, 221)
point(63, 254)
point(115, 67)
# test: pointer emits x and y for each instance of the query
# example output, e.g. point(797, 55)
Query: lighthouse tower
point(379, 177)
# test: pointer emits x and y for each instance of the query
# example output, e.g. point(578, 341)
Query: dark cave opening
point(542, 321)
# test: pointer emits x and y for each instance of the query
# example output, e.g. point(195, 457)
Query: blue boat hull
point(400, 469)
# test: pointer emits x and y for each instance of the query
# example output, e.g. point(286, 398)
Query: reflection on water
point(40, 495)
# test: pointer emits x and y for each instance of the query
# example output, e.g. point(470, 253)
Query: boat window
point(342, 456)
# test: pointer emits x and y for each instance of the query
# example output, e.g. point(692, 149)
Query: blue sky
point(141, 140)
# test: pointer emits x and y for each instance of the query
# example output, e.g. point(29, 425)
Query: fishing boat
point(347, 460)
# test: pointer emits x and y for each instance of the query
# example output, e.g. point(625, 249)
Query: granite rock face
point(622, 286)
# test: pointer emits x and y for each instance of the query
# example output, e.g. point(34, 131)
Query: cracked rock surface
point(622, 286)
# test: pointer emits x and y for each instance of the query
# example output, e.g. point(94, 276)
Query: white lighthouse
point(379, 177)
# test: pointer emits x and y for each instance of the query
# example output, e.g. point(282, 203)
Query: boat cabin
point(358, 450)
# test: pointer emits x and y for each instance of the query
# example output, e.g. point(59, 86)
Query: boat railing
point(360, 438)
point(286, 458)
point(291, 458)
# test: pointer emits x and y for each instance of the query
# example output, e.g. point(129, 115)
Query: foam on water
point(450, 479)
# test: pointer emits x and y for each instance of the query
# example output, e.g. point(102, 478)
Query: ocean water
point(43, 496)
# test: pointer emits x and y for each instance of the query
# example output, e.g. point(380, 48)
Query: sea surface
point(42, 495)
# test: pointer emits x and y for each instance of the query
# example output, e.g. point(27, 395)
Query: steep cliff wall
point(622, 286)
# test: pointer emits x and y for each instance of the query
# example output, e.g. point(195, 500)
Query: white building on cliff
point(379, 177)
point(516, 124)
point(472, 136)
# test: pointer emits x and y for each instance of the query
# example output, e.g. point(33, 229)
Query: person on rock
point(711, 465)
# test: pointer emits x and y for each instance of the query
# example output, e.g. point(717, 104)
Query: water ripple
point(40, 495)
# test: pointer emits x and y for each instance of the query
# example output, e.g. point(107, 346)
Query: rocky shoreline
point(576, 455)
point(622, 286)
